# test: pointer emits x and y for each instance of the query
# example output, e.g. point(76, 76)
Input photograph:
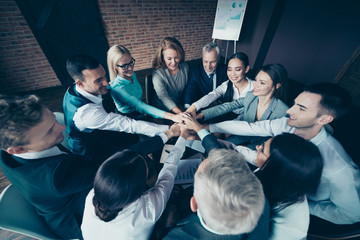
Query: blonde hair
point(166, 43)
point(114, 54)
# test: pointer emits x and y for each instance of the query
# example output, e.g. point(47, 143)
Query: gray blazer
point(169, 89)
point(247, 108)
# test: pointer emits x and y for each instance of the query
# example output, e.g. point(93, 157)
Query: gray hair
point(229, 196)
point(210, 46)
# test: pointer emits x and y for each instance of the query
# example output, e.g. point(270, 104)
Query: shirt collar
point(95, 99)
point(320, 137)
point(206, 226)
point(54, 151)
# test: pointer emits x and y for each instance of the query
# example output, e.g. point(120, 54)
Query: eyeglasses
point(126, 66)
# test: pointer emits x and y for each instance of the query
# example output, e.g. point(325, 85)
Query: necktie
point(211, 77)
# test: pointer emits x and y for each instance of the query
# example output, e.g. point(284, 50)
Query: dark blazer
point(57, 186)
point(199, 83)
point(194, 230)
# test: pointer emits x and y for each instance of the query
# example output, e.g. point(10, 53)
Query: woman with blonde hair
point(126, 89)
point(170, 75)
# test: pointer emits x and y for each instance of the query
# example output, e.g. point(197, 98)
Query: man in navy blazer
point(205, 77)
point(54, 180)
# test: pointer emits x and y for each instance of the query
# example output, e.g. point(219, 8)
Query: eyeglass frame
point(127, 65)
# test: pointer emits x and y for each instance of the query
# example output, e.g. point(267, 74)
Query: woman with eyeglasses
point(290, 168)
point(126, 89)
point(170, 75)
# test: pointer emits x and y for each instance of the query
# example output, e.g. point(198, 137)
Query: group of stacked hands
point(99, 190)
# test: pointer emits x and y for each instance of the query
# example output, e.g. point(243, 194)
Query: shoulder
point(196, 69)
point(221, 67)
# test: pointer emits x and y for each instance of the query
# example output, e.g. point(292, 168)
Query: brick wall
point(23, 65)
point(140, 25)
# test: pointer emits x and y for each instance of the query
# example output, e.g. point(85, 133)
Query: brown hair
point(18, 114)
point(166, 43)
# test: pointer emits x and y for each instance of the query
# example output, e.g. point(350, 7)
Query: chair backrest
point(18, 215)
point(149, 90)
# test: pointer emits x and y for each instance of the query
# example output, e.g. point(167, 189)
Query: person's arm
point(248, 154)
point(176, 110)
point(210, 97)
point(92, 116)
point(120, 94)
point(160, 193)
point(260, 128)
point(161, 91)
point(343, 207)
point(222, 109)
point(153, 144)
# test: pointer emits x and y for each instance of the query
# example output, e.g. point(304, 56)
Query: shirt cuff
point(181, 142)
point(164, 137)
point(187, 105)
point(203, 133)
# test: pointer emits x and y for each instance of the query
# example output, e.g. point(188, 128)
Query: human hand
point(173, 131)
point(191, 110)
point(178, 118)
point(191, 122)
point(199, 116)
point(188, 134)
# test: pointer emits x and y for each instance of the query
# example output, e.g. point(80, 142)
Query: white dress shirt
point(136, 220)
point(338, 196)
point(220, 92)
point(93, 116)
point(53, 151)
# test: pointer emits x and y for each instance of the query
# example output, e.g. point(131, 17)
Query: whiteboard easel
point(228, 21)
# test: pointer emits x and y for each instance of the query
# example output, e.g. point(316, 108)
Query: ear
point(16, 150)
point(193, 204)
point(79, 83)
point(325, 119)
point(278, 85)
point(247, 69)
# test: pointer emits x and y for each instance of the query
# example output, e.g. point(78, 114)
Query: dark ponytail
point(120, 180)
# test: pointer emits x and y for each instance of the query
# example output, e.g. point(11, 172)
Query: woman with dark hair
point(262, 103)
point(236, 87)
point(290, 168)
point(170, 75)
point(119, 206)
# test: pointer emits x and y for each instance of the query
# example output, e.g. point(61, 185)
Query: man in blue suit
point(206, 76)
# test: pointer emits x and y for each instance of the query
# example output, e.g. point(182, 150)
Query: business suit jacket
point(199, 83)
point(194, 230)
point(57, 186)
point(247, 106)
